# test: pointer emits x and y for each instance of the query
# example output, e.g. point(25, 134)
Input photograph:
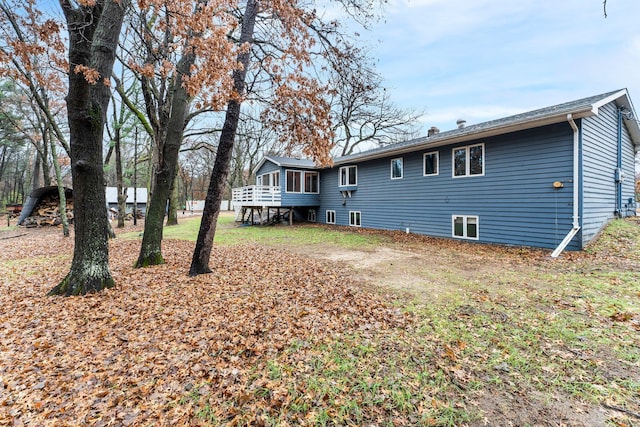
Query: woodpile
point(47, 212)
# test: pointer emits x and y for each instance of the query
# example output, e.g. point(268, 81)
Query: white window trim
point(352, 216)
point(286, 181)
point(464, 227)
point(401, 168)
point(340, 184)
point(424, 163)
point(270, 176)
point(467, 164)
point(304, 183)
point(326, 216)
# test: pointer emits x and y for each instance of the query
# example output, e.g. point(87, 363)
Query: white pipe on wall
point(576, 188)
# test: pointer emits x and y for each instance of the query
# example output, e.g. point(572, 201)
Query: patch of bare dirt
point(537, 410)
point(425, 267)
point(438, 271)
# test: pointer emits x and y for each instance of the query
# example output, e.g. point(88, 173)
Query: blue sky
point(484, 59)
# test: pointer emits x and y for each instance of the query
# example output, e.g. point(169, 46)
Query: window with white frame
point(348, 176)
point(299, 181)
point(465, 226)
point(431, 162)
point(294, 181)
point(274, 179)
point(270, 179)
point(311, 215)
point(311, 182)
point(331, 217)
point(354, 218)
point(468, 161)
point(396, 168)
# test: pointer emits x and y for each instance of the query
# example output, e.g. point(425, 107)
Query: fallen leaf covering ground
point(134, 354)
point(496, 336)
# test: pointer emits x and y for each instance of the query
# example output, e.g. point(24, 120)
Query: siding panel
point(599, 159)
point(267, 167)
point(515, 199)
point(298, 199)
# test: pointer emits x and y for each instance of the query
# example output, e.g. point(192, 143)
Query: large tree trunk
point(151, 248)
point(172, 210)
point(93, 37)
point(218, 181)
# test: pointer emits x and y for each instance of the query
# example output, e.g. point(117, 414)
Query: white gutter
point(471, 133)
point(576, 188)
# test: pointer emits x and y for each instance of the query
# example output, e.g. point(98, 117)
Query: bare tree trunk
point(46, 171)
point(93, 38)
point(172, 210)
point(151, 248)
point(61, 193)
point(218, 181)
point(122, 191)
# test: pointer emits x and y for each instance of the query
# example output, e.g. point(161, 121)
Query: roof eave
point(623, 99)
point(634, 131)
point(437, 141)
point(262, 162)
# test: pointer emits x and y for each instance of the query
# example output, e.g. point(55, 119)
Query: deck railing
point(257, 195)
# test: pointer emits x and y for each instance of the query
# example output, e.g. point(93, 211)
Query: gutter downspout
point(618, 172)
point(576, 199)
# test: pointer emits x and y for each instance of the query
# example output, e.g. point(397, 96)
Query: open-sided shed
point(42, 207)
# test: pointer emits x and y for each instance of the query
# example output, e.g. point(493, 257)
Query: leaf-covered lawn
point(165, 349)
point(483, 335)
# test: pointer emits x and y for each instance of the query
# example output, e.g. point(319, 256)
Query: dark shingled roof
point(287, 162)
point(291, 162)
point(580, 108)
point(556, 113)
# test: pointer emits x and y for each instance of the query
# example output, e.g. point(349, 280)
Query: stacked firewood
point(47, 212)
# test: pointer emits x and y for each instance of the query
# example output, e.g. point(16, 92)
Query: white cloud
point(484, 59)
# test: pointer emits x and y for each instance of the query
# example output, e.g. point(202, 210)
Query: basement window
point(354, 218)
point(331, 217)
point(465, 226)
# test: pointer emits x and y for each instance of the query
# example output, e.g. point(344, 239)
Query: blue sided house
point(550, 178)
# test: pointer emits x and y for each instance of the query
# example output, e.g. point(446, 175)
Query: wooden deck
point(262, 201)
point(257, 195)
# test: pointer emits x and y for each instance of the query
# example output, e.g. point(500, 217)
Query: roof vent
point(433, 131)
point(461, 123)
